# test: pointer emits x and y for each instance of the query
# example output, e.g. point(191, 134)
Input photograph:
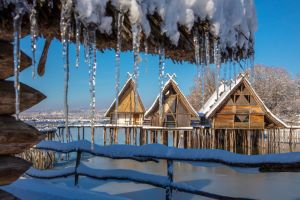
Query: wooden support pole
point(169, 190)
point(104, 135)
point(115, 141)
point(78, 158)
point(83, 133)
point(93, 135)
point(78, 135)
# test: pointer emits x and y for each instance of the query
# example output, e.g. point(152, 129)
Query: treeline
point(279, 90)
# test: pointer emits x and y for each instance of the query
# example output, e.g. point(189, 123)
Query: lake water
point(214, 178)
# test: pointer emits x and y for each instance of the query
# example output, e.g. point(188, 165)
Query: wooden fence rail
point(165, 182)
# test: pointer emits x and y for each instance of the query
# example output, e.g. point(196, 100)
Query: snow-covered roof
point(228, 18)
point(225, 90)
point(176, 87)
point(234, 22)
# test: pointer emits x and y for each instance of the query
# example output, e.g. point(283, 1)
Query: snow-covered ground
point(34, 189)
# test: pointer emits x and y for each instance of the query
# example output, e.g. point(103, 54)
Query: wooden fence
point(153, 153)
point(164, 182)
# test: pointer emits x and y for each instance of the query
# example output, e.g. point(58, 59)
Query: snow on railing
point(151, 153)
point(112, 151)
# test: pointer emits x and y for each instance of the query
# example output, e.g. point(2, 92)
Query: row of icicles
point(201, 45)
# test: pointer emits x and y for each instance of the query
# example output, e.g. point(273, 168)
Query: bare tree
point(278, 89)
point(196, 97)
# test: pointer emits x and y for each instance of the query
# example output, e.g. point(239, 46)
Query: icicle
point(161, 53)
point(85, 43)
point(230, 73)
point(33, 35)
point(117, 60)
point(78, 33)
point(136, 36)
point(234, 71)
point(252, 69)
point(92, 82)
point(198, 64)
point(146, 56)
point(207, 49)
point(66, 87)
point(224, 67)
point(207, 55)
point(65, 21)
point(217, 61)
point(17, 19)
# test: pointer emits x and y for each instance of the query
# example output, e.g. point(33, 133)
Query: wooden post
point(146, 135)
point(225, 140)
point(185, 139)
point(142, 137)
point(104, 135)
point(213, 134)
point(93, 134)
point(165, 137)
point(83, 132)
point(115, 141)
point(169, 190)
point(78, 136)
point(78, 158)
point(174, 139)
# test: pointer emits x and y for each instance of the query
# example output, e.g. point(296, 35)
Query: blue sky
point(277, 44)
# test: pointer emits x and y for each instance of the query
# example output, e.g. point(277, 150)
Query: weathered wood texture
point(43, 59)
point(28, 97)
point(7, 61)
point(177, 112)
point(129, 112)
point(242, 110)
point(16, 136)
point(7, 196)
point(12, 168)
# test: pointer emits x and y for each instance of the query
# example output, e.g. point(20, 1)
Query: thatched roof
point(170, 85)
point(49, 27)
point(127, 90)
point(7, 61)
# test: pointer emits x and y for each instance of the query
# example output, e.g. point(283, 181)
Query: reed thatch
point(49, 27)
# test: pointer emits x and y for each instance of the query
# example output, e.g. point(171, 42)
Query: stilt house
point(128, 114)
point(238, 106)
point(177, 111)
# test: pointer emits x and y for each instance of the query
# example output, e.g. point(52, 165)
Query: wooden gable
point(127, 101)
point(241, 110)
point(176, 109)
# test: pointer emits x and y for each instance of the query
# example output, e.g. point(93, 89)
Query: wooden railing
point(143, 154)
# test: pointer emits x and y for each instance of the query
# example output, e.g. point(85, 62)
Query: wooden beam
point(43, 59)
point(17, 136)
point(12, 168)
point(28, 97)
point(7, 61)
